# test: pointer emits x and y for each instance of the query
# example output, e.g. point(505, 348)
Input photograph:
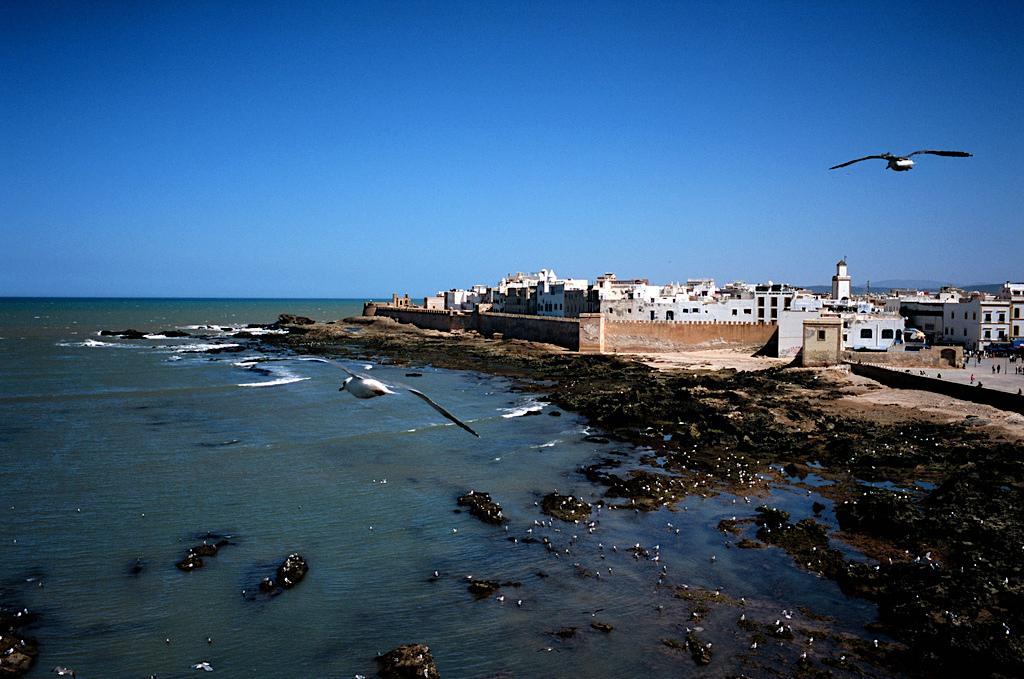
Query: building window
point(965, 332)
point(965, 315)
point(734, 312)
point(654, 316)
point(821, 335)
point(988, 317)
point(988, 334)
point(1002, 317)
point(775, 301)
point(865, 333)
point(974, 315)
point(887, 333)
point(1016, 312)
point(670, 316)
point(951, 314)
point(1002, 334)
point(899, 335)
point(845, 338)
point(1016, 330)
point(746, 311)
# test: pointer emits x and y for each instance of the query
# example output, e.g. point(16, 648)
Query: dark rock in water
point(797, 469)
point(226, 349)
point(267, 585)
point(414, 374)
point(880, 512)
point(747, 543)
point(130, 333)
point(289, 319)
point(566, 633)
point(194, 556)
point(565, 507)
point(173, 333)
point(601, 626)
point(817, 508)
point(555, 413)
point(412, 661)
point(533, 412)
point(137, 566)
point(483, 507)
point(699, 651)
point(243, 334)
point(771, 517)
point(483, 588)
point(593, 438)
point(18, 652)
point(292, 571)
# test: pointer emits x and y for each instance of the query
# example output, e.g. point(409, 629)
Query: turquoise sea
point(114, 450)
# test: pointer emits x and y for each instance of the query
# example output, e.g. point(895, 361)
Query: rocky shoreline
point(934, 505)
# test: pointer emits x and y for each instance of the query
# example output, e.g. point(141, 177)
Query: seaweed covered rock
point(289, 319)
point(565, 507)
point(483, 507)
point(880, 512)
point(292, 571)
point(412, 661)
point(18, 653)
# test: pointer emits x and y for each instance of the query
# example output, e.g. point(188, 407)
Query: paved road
point(1005, 380)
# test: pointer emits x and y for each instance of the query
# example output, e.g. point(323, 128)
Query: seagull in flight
point(365, 387)
point(904, 163)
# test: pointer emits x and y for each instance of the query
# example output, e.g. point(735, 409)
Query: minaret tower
point(841, 282)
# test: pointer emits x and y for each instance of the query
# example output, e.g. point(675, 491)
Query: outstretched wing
point(851, 162)
point(951, 154)
point(435, 406)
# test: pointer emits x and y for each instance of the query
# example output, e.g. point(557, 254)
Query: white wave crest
point(199, 347)
point(97, 344)
point(520, 411)
point(275, 383)
point(549, 444)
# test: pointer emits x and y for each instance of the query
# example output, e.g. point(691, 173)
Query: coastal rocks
point(289, 319)
point(602, 626)
point(565, 507)
point(481, 589)
point(193, 558)
point(292, 571)
point(483, 507)
point(173, 333)
point(806, 541)
point(130, 333)
point(698, 649)
point(880, 512)
point(18, 653)
point(412, 661)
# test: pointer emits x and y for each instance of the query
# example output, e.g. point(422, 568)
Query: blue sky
point(349, 149)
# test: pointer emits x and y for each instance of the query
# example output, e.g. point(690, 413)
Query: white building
point(872, 332)
point(841, 282)
point(1014, 294)
point(551, 295)
point(977, 322)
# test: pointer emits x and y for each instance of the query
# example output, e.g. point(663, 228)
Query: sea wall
point(932, 357)
point(429, 319)
point(563, 332)
point(655, 336)
point(590, 333)
point(899, 379)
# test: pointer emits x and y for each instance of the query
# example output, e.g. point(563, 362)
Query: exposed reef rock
point(412, 661)
point(18, 652)
point(565, 507)
point(292, 571)
point(483, 507)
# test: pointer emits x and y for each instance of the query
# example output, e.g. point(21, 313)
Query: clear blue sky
point(347, 149)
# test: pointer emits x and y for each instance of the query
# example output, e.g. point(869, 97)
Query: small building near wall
point(434, 303)
point(823, 341)
point(872, 332)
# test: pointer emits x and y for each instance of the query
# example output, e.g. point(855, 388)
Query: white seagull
point(364, 387)
point(204, 666)
point(904, 163)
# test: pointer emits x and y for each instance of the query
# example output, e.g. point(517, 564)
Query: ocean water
point(115, 450)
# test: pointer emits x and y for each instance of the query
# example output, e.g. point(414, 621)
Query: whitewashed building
point(872, 332)
point(977, 322)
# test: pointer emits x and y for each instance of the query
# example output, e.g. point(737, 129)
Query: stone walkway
point(1005, 380)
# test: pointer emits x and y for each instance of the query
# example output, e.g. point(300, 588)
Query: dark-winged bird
point(904, 163)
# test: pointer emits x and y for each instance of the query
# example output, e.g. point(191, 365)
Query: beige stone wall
point(932, 357)
point(823, 342)
point(655, 336)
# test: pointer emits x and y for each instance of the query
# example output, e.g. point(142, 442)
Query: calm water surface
point(114, 450)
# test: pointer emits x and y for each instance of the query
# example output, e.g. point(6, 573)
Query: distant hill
point(912, 284)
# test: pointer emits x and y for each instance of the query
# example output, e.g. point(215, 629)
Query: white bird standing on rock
point(364, 387)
